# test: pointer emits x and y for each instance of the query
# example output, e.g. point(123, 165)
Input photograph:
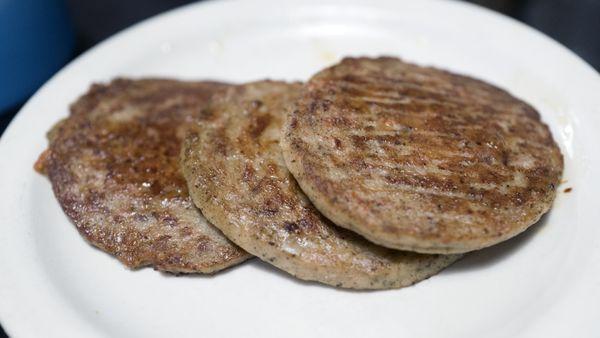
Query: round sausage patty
point(114, 168)
point(420, 159)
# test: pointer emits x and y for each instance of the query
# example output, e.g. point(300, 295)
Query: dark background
point(574, 23)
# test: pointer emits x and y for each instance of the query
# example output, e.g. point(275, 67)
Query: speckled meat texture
point(418, 158)
point(113, 164)
point(237, 176)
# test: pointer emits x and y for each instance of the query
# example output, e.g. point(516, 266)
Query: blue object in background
point(36, 40)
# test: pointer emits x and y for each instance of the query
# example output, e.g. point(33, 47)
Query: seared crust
point(418, 158)
point(113, 164)
point(237, 176)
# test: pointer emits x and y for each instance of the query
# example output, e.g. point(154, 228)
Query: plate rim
point(21, 328)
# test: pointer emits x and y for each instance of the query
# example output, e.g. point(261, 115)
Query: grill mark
point(432, 108)
point(451, 124)
point(424, 90)
point(361, 140)
point(384, 86)
point(402, 140)
point(416, 190)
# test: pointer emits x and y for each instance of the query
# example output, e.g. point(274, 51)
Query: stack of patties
point(375, 174)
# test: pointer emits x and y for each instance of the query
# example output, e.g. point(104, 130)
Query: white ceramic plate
point(544, 283)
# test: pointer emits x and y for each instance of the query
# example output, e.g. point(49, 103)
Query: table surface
point(573, 23)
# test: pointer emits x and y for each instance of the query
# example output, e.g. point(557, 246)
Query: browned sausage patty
point(237, 176)
point(113, 164)
point(420, 159)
